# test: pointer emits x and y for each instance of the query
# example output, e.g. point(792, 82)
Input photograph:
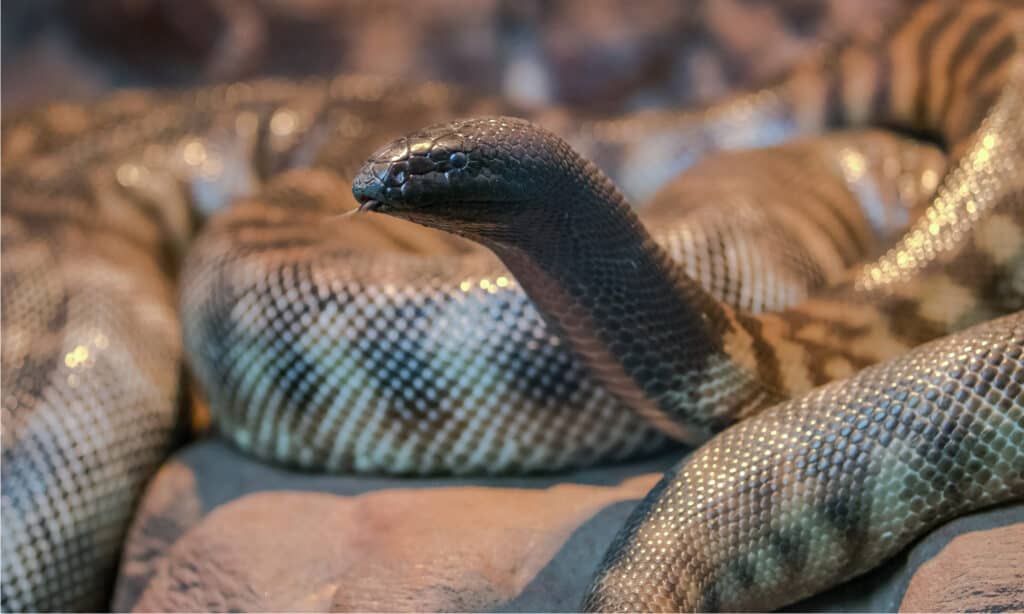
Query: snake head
point(472, 177)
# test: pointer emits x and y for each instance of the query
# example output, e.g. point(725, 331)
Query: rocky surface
point(980, 571)
point(220, 531)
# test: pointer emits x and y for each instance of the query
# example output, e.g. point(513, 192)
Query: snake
point(357, 344)
point(813, 490)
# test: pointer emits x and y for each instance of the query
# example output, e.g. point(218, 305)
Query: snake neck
point(653, 336)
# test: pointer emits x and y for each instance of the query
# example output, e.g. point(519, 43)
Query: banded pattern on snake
point(268, 284)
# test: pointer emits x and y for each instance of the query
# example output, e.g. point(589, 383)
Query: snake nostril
point(380, 171)
point(397, 175)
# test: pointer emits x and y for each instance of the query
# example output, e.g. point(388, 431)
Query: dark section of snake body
point(692, 365)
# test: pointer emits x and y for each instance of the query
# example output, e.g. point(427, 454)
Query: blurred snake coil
point(835, 320)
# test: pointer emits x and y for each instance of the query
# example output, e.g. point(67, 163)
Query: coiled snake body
point(823, 487)
point(339, 346)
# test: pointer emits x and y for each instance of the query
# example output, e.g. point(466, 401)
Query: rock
point(218, 531)
point(980, 571)
point(404, 549)
point(171, 505)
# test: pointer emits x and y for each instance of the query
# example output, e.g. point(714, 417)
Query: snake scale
point(359, 344)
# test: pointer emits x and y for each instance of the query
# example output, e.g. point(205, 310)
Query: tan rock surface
point(218, 530)
point(170, 507)
point(438, 549)
point(980, 571)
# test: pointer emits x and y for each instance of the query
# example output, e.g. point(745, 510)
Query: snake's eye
point(458, 159)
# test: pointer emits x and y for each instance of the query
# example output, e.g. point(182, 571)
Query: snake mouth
point(369, 204)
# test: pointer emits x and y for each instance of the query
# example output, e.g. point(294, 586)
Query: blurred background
point(606, 55)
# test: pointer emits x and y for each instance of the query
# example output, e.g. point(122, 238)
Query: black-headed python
point(361, 344)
